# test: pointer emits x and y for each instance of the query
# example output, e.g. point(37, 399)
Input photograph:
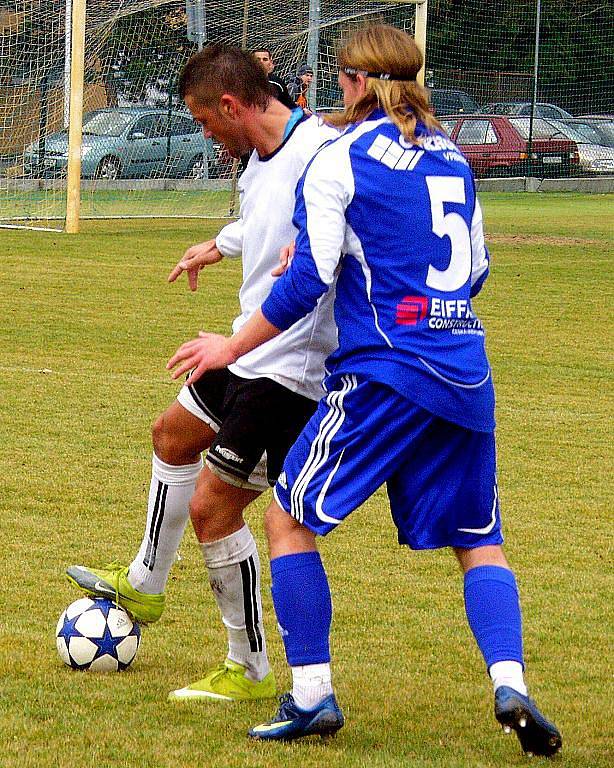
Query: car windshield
point(588, 132)
point(106, 123)
point(603, 129)
point(542, 129)
point(570, 131)
point(607, 128)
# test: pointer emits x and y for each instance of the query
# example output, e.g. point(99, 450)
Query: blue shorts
point(441, 478)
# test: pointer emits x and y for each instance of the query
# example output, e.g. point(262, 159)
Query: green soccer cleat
point(227, 682)
point(111, 581)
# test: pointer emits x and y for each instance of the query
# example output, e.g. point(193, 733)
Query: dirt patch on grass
point(539, 240)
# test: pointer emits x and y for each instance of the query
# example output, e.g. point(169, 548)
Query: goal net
point(141, 154)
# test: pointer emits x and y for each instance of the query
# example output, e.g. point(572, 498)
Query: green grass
point(51, 204)
point(88, 323)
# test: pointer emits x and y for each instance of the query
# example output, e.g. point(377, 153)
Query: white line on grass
point(95, 374)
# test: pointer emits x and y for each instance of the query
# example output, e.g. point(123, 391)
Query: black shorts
point(253, 416)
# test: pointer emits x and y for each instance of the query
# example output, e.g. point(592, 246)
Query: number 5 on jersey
point(449, 189)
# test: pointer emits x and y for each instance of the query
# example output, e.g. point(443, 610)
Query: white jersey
point(295, 358)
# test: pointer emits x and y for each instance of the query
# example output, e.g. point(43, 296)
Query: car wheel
point(198, 168)
point(108, 168)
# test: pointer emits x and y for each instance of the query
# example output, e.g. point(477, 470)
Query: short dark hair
point(219, 69)
point(263, 50)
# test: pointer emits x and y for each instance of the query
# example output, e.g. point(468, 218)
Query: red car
point(496, 145)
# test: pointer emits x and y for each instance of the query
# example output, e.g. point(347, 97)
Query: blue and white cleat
point(519, 713)
point(290, 722)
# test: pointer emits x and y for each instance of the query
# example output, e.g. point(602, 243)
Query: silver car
point(522, 108)
point(127, 142)
point(594, 158)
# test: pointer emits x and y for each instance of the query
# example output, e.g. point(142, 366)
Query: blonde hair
point(380, 48)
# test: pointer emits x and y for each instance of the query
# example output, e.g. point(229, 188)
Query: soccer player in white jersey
point(388, 211)
point(257, 407)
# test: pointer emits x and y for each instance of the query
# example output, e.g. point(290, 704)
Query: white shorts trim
point(257, 481)
point(185, 399)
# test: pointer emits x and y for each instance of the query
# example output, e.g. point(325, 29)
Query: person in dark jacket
point(278, 87)
point(299, 87)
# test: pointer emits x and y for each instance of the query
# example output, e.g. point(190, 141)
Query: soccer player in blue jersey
point(388, 214)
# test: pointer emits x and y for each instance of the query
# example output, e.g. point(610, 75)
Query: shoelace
point(220, 671)
point(114, 565)
point(286, 707)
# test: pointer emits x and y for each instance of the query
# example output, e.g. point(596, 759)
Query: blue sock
point(301, 597)
point(493, 611)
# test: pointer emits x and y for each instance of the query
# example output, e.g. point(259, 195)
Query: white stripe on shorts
point(320, 447)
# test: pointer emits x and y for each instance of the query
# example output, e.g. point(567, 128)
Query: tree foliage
point(575, 45)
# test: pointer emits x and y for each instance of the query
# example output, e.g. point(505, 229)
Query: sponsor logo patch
point(412, 310)
point(454, 315)
point(227, 454)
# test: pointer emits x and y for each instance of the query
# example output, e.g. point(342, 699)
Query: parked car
point(521, 108)
point(452, 102)
point(597, 128)
point(496, 145)
point(128, 142)
point(595, 157)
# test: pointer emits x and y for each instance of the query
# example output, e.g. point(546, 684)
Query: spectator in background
point(299, 87)
point(278, 87)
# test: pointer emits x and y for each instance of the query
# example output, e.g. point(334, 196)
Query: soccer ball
point(95, 633)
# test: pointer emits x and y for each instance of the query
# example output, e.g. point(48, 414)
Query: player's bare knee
point(178, 437)
point(487, 555)
point(202, 511)
point(157, 431)
point(279, 524)
point(162, 440)
point(216, 508)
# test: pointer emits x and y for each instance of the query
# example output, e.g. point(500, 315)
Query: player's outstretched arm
point(193, 260)
point(211, 350)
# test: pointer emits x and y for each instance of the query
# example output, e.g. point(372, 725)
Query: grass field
point(88, 323)
point(49, 206)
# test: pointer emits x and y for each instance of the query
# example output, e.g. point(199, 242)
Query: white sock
point(508, 673)
point(233, 566)
point(311, 684)
point(167, 515)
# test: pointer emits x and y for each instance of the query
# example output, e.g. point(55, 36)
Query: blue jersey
point(398, 228)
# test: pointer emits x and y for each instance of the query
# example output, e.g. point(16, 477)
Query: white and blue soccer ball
point(97, 634)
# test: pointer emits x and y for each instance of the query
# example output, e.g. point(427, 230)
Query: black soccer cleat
point(519, 713)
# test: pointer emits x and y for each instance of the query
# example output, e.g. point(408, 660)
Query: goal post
point(77, 60)
point(420, 35)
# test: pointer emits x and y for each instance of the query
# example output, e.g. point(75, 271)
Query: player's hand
point(208, 351)
point(286, 254)
point(193, 260)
